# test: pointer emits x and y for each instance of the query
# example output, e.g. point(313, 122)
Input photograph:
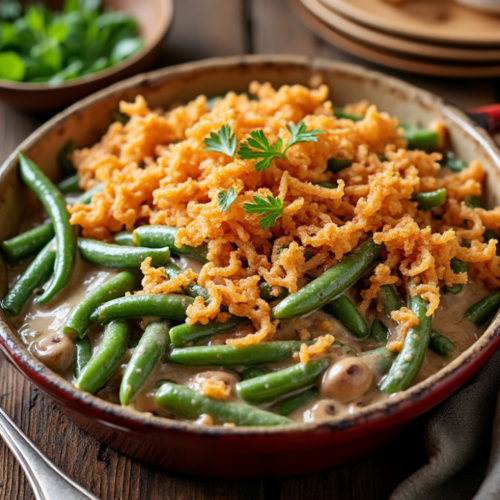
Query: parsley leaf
point(299, 133)
point(257, 146)
point(271, 209)
point(226, 198)
point(221, 142)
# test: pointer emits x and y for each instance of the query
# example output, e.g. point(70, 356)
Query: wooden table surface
point(208, 28)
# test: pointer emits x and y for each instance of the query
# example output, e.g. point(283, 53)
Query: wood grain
point(207, 28)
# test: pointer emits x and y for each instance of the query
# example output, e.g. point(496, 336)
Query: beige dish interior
point(393, 43)
point(441, 21)
point(86, 121)
point(390, 60)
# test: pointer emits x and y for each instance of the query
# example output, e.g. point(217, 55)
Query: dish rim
point(14, 349)
point(167, 7)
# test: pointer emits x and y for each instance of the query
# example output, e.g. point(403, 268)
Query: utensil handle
point(47, 481)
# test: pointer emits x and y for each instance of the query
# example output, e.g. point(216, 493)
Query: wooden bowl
point(257, 451)
point(154, 18)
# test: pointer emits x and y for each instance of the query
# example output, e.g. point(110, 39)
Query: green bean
point(457, 266)
point(79, 319)
point(455, 164)
point(83, 353)
point(182, 335)
point(36, 274)
point(420, 138)
point(69, 185)
point(330, 284)
point(281, 248)
point(382, 158)
point(106, 359)
point(137, 306)
point(265, 290)
point(430, 200)
point(193, 289)
point(381, 359)
point(473, 201)
point(308, 255)
point(120, 257)
point(340, 113)
point(417, 137)
point(64, 162)
point(190, 404)
point(484, 310)
point(347, 313)
point(26, 244)
point(228, 355)
point(164, 236)
point(212, 100)
point(252, 372)
point(379, 331)
point(118, 116)
point(293, 402)
point(328, 185)
point(86, 197)
point(440, 344)
point(124, 238)
point(337, 164)
point(390, 299)
point(55, 205)
point(147, 355)
point(490, 234)
point(407, 365)
point(270, 387)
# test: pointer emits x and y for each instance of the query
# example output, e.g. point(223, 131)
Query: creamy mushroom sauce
point(40, 329)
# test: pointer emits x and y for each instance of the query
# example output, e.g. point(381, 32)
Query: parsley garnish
point(226, 198)
point(258, 147)
point(221, 142)
point(270, 209)
point(299, 133)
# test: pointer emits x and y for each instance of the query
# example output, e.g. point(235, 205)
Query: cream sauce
point(38, 325)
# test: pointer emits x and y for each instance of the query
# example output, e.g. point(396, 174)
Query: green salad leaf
point(126, 48)
point(11, 66)
point(56, 46)
point(10, 10)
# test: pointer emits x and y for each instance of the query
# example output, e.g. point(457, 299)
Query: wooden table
point(208, 28)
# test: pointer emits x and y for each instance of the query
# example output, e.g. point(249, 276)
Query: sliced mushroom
point(54, 351)
point(326, 408)
point(347, 379)
point(229, 380)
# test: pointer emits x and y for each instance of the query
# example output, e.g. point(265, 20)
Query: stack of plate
point(432, 37)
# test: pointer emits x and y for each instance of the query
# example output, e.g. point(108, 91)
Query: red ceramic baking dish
point(245, 452)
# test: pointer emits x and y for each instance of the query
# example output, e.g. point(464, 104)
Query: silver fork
point(47, 481)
